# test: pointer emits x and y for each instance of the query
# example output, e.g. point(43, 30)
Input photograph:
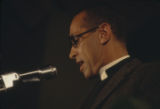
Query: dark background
point(34, 34)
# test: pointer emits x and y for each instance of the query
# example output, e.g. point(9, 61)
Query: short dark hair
point(99, 14)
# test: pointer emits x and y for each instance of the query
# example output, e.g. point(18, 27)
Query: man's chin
point(89, 75)
point(86, 74)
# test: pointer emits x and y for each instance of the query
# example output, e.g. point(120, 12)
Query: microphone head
point(40, 74)
point(48, 72)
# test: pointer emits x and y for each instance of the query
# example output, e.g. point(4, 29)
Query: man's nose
point(73, 53)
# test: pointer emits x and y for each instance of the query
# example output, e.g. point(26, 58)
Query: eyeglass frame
point(74, 39)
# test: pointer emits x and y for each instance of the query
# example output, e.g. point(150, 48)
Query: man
point(99, 47)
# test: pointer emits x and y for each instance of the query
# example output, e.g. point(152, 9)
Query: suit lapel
point(115, 81)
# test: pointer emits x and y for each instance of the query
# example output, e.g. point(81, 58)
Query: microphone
point(7, 80)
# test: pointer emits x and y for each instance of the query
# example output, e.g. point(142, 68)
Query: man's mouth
point(81, 63)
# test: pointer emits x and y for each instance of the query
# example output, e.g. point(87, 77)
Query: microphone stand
point(7, 80)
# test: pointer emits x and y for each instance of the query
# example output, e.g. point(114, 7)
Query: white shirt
point(102, 71)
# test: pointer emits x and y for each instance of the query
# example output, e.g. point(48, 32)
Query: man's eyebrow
point(73, 34)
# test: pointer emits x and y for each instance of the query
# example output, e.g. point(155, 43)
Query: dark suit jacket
point(131, 85)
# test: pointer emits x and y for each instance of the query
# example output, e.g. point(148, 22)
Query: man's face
point(87, 52)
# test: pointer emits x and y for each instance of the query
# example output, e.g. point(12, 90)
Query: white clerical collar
point(102, 71)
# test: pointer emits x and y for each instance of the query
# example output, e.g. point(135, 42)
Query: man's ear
point(104, 33)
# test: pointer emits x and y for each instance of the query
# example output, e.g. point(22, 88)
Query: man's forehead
point(77, 23)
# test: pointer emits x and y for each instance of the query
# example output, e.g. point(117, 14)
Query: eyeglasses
point(75, 39)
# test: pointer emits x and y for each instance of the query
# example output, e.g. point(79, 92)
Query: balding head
point(99, 14)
